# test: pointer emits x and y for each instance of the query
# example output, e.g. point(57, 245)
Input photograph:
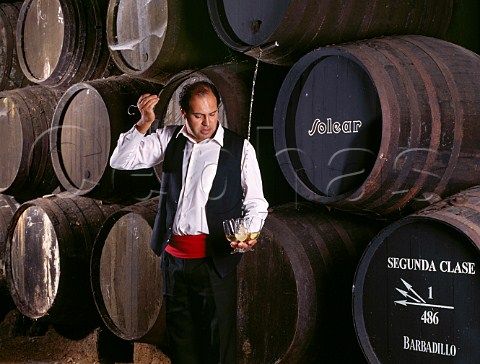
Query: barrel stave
point(47, 258)
point(417, 283)
point(126, 278)
point(82, 143)
point(301, 271)
point(414, 140)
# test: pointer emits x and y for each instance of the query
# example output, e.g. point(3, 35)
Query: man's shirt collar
point(218, 137)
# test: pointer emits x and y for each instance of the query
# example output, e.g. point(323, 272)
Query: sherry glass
point(241, 230)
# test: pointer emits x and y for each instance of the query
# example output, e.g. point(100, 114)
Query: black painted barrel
point(380, 125)
point(62, 42)
point(86, 125)
point(25, 117)
point(11, 75)
point(294, 290)
point(301, 26)
point(48, 258)
point(417, 286)
point(238, 112)
point(155, 39)
point(125, 275)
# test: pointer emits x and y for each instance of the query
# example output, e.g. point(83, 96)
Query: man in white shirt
point(209, 174)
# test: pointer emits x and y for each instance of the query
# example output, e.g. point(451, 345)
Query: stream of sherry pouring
point(262, 48)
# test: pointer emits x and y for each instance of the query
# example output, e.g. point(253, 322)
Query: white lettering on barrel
point(346, 127)
point(411, 264)
point(445, 266)
point(429, 347)
point(456, 268)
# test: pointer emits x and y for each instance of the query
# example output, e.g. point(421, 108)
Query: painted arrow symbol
point(406, 295)
point(405, 303)
point(409, 287)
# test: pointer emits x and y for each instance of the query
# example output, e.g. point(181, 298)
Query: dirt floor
point(23, 340)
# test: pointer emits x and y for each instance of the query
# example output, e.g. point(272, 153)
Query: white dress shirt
point(135, 150)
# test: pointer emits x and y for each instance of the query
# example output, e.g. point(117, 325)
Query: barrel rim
point(362, 269)
point(97, 60)
point(183, 45)
point(225, 33)
point(22, 306)
point(95, 259)
point(304, 275)
point(67, 46)
point(306, 288)
point(9, 38)
point(83, 42)
point(326, 228)
point(319, 34)
point(117, 93)
point(55, 136)
point(8, 206)
point(75, 220)
point(35, 175)
point(281, 110)
point(110, 32)
point(154, 69)
point(24, 132)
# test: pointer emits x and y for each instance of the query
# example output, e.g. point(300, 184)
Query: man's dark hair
point(196, 88)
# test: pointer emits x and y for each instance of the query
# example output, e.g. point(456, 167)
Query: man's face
point(202, 119)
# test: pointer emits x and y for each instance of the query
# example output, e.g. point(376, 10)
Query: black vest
point(225, 200)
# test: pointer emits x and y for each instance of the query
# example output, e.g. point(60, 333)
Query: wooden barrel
point(25, 117)
point(464, 28)
point(62, 42)
point(380, 125)
point(417, 289)
point(234, 82)
point(301, 26)
point(155, 39)
point(11, 75)
point(86, 125)
point(126, 277)
point(48, 258)
point(8, 206)
point(294, 290)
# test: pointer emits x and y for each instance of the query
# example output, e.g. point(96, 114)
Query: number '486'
point(430, 318)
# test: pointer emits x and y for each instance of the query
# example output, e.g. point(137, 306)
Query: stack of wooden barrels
point(361, 114)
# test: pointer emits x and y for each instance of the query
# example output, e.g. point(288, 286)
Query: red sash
point(187, 246)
